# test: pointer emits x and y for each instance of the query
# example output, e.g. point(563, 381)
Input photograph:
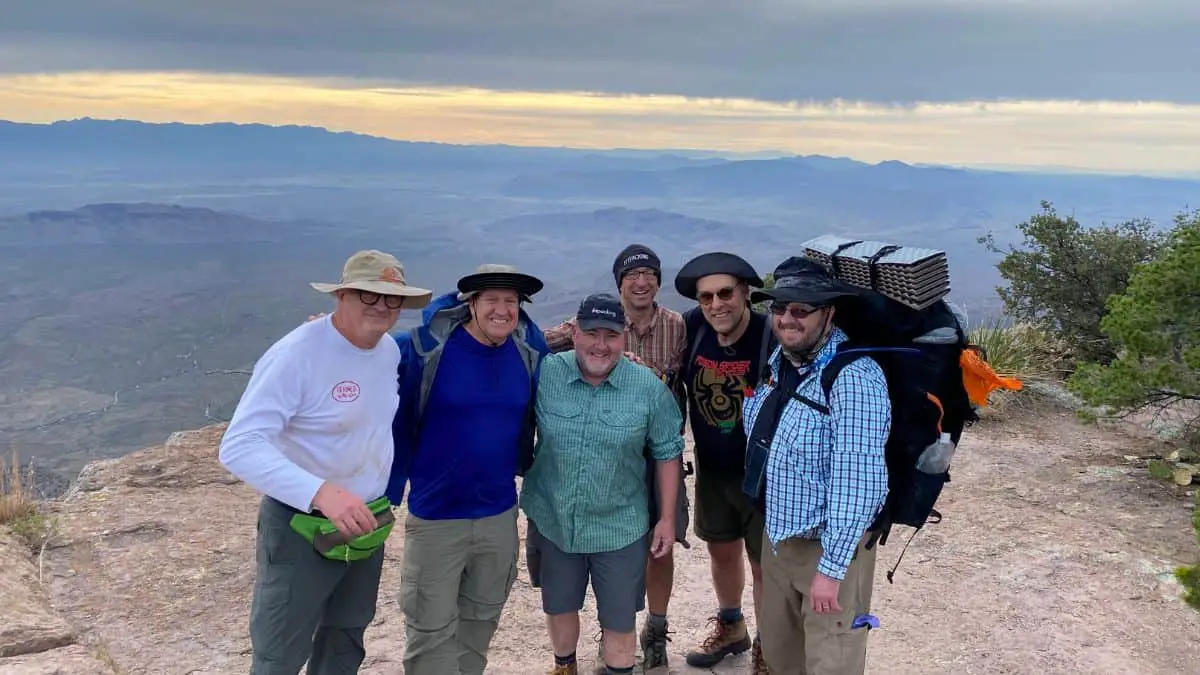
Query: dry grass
point(17, 502)
point(19, 507)
point(1020, 350)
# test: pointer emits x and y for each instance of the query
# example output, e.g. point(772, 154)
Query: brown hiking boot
point(653, 641)
point(569, 669)
point(726, 639)
point(757, 665)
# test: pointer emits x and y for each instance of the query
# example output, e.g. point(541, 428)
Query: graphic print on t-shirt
point(717, 378)
point(719, 387)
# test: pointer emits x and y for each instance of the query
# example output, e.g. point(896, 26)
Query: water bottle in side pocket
point(936, 458)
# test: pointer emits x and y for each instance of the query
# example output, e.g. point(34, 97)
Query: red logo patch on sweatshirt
point(345, 391)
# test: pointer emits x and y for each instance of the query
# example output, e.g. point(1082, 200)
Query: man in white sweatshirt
point(313, 433)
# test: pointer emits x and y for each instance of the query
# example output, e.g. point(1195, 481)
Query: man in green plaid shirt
point(586, 491)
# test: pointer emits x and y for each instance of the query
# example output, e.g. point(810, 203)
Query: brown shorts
point(724, 513)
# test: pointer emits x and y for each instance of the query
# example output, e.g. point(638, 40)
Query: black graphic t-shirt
point(717, 378)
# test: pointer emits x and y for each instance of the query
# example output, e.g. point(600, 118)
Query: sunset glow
point(1114, 136)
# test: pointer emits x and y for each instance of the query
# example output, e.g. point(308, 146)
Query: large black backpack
point(925, 385)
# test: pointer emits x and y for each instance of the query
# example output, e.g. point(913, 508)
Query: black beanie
point(634, 256)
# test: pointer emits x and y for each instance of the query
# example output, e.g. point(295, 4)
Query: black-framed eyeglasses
point(781, 308)
point(389, 301)
point(725, 295)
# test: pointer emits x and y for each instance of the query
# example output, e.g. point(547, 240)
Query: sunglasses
point(725, 295)
point(389, 301)
point(781, 308)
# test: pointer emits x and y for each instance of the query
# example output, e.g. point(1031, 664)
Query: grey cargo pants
point(306, 607)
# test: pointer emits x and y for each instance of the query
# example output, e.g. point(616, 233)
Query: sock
point(619, 671)
point(564, 660)
point(658, 620)
point(730, 615)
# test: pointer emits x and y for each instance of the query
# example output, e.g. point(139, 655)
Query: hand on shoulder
point(638, 360)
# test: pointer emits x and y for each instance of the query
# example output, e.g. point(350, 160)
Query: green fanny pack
point(335, 545)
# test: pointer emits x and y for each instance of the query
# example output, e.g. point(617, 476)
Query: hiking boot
point(757, 665)
point(569, 669)
point(654, 645)
point(726, 639)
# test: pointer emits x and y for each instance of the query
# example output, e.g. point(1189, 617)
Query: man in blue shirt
point(463, 433)
point(825, 479)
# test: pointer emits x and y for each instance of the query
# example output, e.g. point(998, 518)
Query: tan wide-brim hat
point(377, 272)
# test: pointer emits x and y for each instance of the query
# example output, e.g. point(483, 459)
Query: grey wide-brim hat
point(495, 276)
point(801, 279)
point(377, 272)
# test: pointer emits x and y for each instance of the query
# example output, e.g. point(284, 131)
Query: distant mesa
point(117, 212)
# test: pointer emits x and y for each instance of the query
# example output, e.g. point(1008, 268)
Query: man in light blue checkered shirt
point(825, 481)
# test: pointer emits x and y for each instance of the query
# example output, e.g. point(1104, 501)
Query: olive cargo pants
point(456, 579)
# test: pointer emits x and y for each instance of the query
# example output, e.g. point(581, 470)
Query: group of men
point(339, 420)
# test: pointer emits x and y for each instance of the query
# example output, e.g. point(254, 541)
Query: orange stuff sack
point(980, 380)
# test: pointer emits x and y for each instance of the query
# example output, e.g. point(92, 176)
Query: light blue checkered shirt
point(826, 474)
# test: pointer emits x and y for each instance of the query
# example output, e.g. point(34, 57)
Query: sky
point(1109, 85)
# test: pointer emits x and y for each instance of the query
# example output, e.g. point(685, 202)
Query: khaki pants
point(795, 639)
point(456, 579)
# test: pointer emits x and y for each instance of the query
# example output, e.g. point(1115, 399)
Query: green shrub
point(1155, 324)
point(1062, 276)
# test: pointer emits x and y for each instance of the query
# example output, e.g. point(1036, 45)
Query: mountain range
point(147, 266)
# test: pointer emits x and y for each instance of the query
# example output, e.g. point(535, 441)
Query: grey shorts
point(618, 581)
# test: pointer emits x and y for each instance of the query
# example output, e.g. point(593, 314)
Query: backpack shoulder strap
point(698, 335)
point(764, 355)
point(845, 357)
point(829, 373)
point(423, 343)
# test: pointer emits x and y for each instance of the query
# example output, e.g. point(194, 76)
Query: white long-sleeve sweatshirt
point(317, 408)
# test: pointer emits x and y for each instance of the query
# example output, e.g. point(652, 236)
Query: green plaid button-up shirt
point(586, 490)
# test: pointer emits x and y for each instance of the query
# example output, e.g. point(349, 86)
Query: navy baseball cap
point(601, 310)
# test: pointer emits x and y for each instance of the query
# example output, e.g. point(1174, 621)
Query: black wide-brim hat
point(801, 279)
point(707, 264)
point(502, 277)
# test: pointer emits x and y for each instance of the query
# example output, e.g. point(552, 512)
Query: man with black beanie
point(636, 256)
point(656, 337)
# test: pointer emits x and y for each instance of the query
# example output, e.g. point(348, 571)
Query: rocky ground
point(1055, 556)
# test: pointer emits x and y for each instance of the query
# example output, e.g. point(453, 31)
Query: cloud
point(1102, 135)
point(870, 50)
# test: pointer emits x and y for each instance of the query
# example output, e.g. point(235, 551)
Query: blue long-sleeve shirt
point(465, 463)
point(826, 474)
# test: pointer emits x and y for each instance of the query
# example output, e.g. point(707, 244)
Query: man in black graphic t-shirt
point(717, 378)
point(726, 345)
